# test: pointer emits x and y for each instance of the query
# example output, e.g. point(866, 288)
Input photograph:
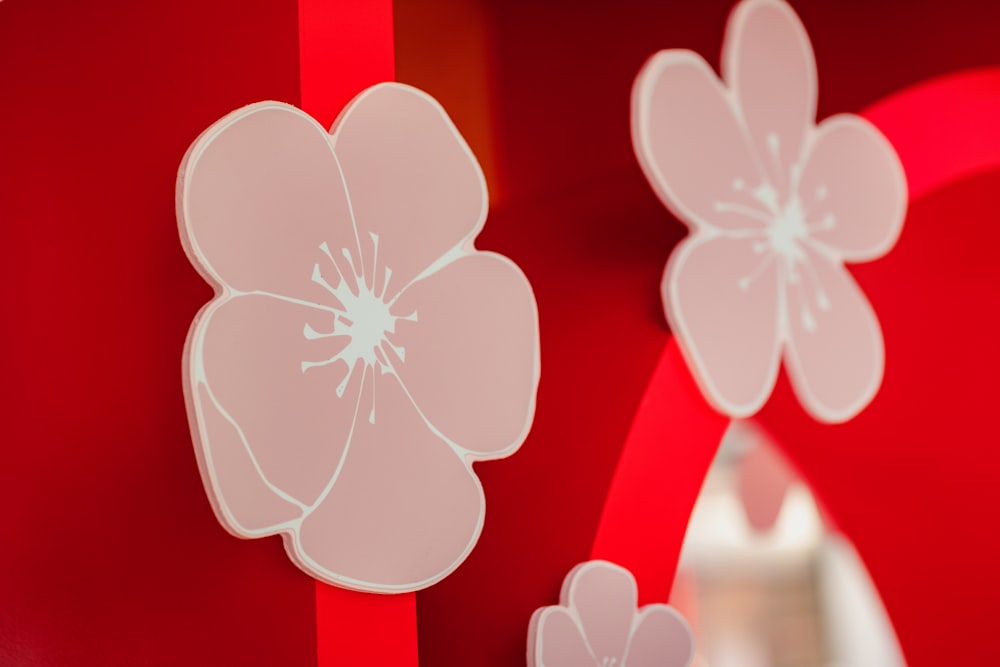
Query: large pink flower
point(776, 205)
point(597, 625)
point(360, 354)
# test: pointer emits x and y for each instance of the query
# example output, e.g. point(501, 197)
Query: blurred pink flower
point(775, 204)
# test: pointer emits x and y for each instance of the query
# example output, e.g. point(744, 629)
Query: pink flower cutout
point(360, 354)
point(776, 204)
point(597, 625)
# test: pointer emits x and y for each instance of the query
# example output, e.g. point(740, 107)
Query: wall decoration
point(360, 354)
point(776, 204)
point(597, 624)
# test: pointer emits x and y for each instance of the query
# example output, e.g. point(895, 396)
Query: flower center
point(608, 661)
point(367, 321)
point(362, 314)
point(786, 231)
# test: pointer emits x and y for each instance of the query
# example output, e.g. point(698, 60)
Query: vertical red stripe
point(346, 46)
point(666, 456)
point(365, 629)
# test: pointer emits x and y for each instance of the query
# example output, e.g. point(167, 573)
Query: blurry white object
point(859, 633)
point(795, 594)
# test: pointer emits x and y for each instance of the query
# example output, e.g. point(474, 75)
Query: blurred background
point(765, 579)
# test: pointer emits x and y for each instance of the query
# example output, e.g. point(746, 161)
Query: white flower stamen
point(806, 315)
point(827, 222)
point(748, 280)
point(363, 316)
point(783, 240)
point(748, 211)
point(774, 150)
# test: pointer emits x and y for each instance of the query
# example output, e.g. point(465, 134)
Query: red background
point(109, 552)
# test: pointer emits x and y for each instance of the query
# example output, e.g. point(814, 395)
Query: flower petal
point(604, 597)
point(662, 638)
point(471, 356)
point(248, 355)
point(412, 178)
point(242, 500)
point(258, 193)
point(835, 355)
point(689, 142)
point(854, 189)
point(768, 63)
point(721, 298)
point(558, 641)
point(404, 511)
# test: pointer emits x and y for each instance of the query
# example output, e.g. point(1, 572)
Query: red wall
point(109, 552)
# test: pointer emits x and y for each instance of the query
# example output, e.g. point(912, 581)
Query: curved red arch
point(945, 129)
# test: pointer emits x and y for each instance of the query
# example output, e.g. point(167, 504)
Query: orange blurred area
point(454, 65)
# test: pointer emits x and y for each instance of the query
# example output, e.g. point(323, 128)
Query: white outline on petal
point(730, 65)
point(898, 217)
point(642, 92)
point(670, 285)
point(799, 379)
point(466, 245)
